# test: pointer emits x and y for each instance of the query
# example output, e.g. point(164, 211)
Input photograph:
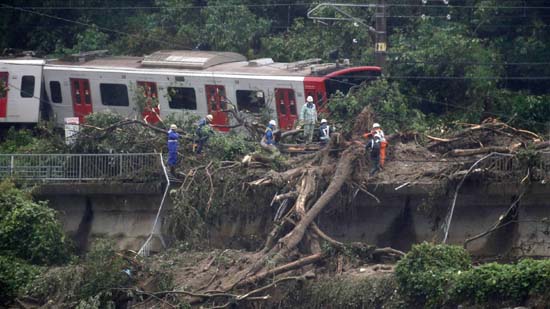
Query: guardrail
point(134, 167)
point(508, 166)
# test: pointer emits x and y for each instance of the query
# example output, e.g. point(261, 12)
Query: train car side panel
point(4, 77)
point(22, 100)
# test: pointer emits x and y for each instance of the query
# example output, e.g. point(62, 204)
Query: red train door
point(217, 104)
point(286, 107)
point(4, 94)
point(151, 110)
point(315, 87)
point(82, 98)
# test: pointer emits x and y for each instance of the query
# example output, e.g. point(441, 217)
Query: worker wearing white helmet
point(173, 137)
point(324, 132)
point(373, 146)
point(269, 132)
point(308, 116)
point(203, 132)
point(268, 140)
point(377, 129)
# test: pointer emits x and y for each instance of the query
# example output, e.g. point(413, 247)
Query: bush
point(29, 230)
point(91, 281)
point(14, 275)
point(425, 273)
point(230, 146)
point(503, 283)
point(390, 105)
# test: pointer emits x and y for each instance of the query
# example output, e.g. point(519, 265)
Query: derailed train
point(198, 82)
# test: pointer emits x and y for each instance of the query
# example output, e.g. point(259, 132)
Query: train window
point(27, 86)
point(113, 94)
point(55, 90)
point(182, 98)
point(88, 99)
point(250, 100)
point(281, 102)
point(292, 100)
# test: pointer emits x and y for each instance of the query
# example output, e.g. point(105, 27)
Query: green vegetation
point(29, 235)
point(30, 230)
point(486, 59)
point(98, 279)
point(442, 275)
point(425, 273)
point(14, 274)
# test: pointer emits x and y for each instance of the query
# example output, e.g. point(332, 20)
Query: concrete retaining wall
point(403, 217)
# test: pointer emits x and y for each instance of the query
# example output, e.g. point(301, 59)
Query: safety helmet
point(272, 123)
point(376, 125)
point(173, 127)
point(209, 117)
point(323, 121)
point(309, 99)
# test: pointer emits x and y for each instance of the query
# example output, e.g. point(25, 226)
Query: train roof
point(201, 61)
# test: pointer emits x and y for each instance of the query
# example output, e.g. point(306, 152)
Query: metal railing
point(509, 167)
point(134, 167)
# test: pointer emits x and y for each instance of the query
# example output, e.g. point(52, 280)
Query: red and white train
point(197, 82)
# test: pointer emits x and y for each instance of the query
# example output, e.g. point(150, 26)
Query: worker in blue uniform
point(203, 132)
point(173, 137)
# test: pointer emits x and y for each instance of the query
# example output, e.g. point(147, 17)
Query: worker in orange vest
point(376, 129)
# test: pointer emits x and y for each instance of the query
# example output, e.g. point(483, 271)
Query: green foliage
point(391, 107)
point(14, 275)
point(26, 141)
point(426, 272)
point(503, 283)
point(231, 26)
point(427, 53)
point(29, 230)
point(103, 269)
point(231, 146)
point(89, 282)
point(441, 275)
point(523, 110)
point(90, 39)
point(16, 141)
point(129, 138)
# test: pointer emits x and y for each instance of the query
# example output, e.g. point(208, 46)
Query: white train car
point(20, 90)
point(197, 82)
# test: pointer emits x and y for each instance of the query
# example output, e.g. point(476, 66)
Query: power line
point(504, 63)
point(471, 6)
point(132, 8)
point(274, 5)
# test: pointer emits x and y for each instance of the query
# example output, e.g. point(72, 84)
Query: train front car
point(20, 91)
point(323, 87)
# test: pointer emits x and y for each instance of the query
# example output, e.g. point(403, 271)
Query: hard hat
point(173, 127)
point(324, 121)
point(309, 99)
point(272, 123)
point(376, 125)
point(209, 117)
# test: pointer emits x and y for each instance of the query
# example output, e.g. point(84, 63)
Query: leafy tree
point(14, 275)
point(230, 26)
point(450, 53)
point(28, 230)
point(390, 105)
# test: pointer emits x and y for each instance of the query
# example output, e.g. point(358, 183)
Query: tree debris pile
point(448, 157)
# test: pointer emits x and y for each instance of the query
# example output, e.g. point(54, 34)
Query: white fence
point(134, 167)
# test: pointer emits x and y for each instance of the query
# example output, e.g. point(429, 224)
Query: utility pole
point(381, 45)
point(378, 34)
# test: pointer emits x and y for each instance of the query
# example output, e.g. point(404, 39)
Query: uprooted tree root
point(295, 240)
